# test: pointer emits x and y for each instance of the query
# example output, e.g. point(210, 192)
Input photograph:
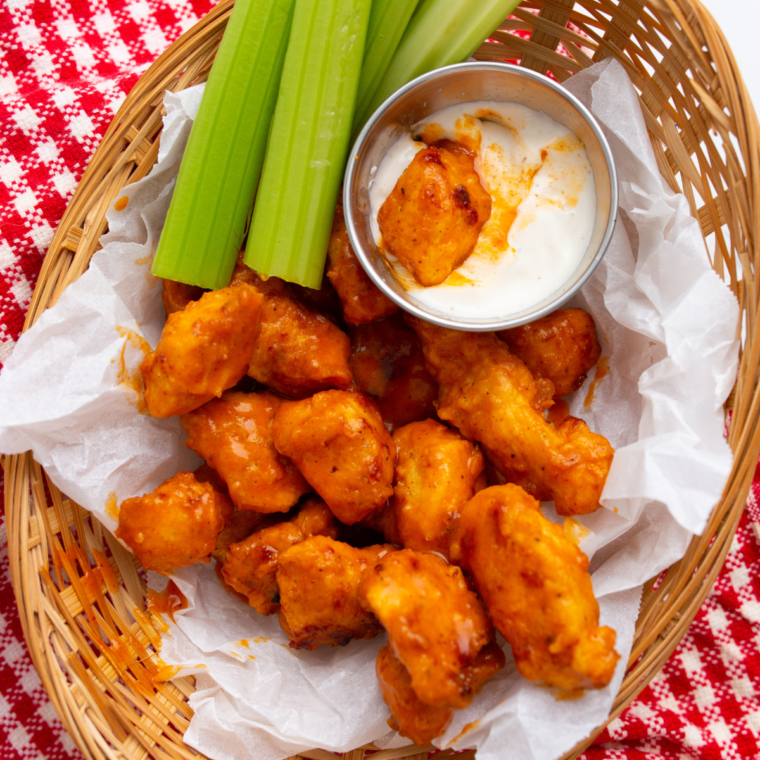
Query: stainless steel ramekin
point(463, 83)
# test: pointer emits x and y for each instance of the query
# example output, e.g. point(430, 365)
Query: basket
point(108, 691)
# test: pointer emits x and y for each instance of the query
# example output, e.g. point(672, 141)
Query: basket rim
point(685, 597)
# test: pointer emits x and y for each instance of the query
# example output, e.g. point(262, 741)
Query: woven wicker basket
point(705, 137)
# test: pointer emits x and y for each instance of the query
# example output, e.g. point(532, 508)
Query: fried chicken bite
point(535, 584)
point(411, 717)
point(175, 296)
point(250, 566)
point(338, 441)
point(299, 351)
point(388, 365)
point(319, 581)
point(204, 350)
point(437, 473)
point(234, 435)
point(436, 626)
point(562, 346)
point(490, 396)
point(433, 216)
point(175, 526)
point(361, 300)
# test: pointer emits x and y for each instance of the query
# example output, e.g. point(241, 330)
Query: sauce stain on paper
point(601, 371)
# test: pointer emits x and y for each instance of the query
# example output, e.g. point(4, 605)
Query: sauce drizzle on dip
point(543, 207)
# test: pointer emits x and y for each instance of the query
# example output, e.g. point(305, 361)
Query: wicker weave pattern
point(92, 641)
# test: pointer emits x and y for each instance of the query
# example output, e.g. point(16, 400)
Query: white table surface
point(740, 22)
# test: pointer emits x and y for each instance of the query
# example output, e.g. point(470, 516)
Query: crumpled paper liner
point(669, 328)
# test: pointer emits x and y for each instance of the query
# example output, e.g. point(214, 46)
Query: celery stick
point(221, 166)
point(388, 20)
point(308, 141)
point(441, 32)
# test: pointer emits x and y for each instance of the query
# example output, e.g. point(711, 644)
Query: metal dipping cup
point(464, 83)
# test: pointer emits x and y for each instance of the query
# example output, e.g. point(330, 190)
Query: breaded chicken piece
point(299, 351)
point(535, 584)
point(412, 718)
point(433, 216)
point(250, 566)
point(175, 296)
point(437, 473)
point(338, 441)
point(489, 394)
point(361, 300)
point(204, 350)
point(562, 346)
point(319, 581)
point(388, 365)
point(234, 435)
point(175, 526)
point(436, 626)
point(237, 524)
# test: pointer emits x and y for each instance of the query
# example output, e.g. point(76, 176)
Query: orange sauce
point(143, 260)
point(466, 730)
point(132, 378)
point(575, 531)
point(432, 133)
point(121, 204)
point(112, 506)
point(601, 371)
point(558, 413)
point(455, 278)
point(106, 571)
point(166, 602)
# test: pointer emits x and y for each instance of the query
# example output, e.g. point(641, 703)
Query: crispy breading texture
point(361, 300)
point(388, 365)
point(175, 526)
point(234, 435)
point(204, 350)
point(412, 718)
point(319, 581)
point(250, 566)
point(338, 441)
point(436, 625)
point(489, 394)
point(433, 216)
point(437, 473)
point(299, 351)
point(535, 584)
point(562, 346)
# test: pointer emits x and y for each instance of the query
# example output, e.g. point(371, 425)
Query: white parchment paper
point(669, 328)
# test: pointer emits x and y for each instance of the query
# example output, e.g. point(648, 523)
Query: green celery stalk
point(388, 20)
point(308, 141)
point(221, 166)
point(440, 33)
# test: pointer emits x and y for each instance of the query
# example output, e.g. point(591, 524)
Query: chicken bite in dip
point(434, 214)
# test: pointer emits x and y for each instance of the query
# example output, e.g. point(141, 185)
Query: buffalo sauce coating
point(436, 625)
point(388, 365)
point(204, 350)
point(433, 216)
point(562, 346)
point(411, 717)
point(536, 587)
point(250, 566)
point(319, 581)
point(175, 296)
point(299, 351)
point(168, 601)
point(234, 435)
point(361, 300)
point(175, 526)
point(338, 441)
point(491, 397)
point(438, 472)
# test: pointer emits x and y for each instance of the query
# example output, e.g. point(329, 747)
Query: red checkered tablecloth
point(65, 67)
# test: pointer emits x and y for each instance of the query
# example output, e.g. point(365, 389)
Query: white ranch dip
point(543, 206)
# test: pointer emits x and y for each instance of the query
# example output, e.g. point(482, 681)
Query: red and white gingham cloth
point(65, 67)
